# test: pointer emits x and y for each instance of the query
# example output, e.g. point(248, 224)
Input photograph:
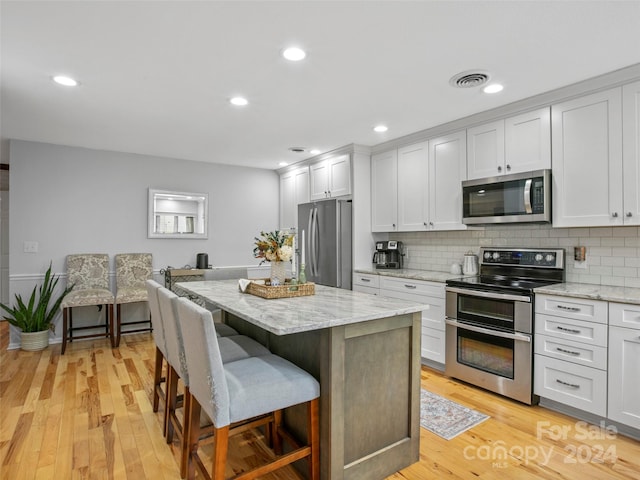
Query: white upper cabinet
point(318, 180)
point(418, 187)
point(447, 169)
point(527, 140)
point(631, 152)
point(287, 200)
point(485, 150)
point(339, 180)
point(301, 181)
point(517, 144)
point(384, 191)
point(413, 194)
point(294, 190)
point(587, 160)
point(330, 178)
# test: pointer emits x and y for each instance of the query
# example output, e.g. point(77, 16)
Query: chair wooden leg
point(276, 437)
point(220, 450)
point(70, 328)
point(313, 429)
point(157, 378)
point(110, 324)
point(65, 319)
point(115, 327)
point(192, 425)
point(171, 401)
point(184, 443)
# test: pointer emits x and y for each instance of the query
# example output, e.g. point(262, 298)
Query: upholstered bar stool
point(132, 271)
point(232, 348)
point(240, 395)
point(161, 348)
point(89, 275)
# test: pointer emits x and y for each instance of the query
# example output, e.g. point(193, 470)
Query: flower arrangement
point(274, 246)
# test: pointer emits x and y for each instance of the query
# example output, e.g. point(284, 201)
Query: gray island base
point(365, 352)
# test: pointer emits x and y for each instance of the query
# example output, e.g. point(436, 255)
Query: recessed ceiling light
point(294, 54)
point(380, 128)
point(315, 151)
point(66, 81)
point(239, 101)
point(283, 164)
point(493, 88)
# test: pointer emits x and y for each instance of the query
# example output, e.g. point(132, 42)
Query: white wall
point(76, 200)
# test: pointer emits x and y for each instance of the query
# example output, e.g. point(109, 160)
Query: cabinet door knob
point(629, 214)
point(393, 225)
point(508, 167)
point(499, 168)
point(431, 224)
point(424, 223)
point(614, 214)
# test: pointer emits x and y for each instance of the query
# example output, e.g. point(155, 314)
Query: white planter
point(34, 341)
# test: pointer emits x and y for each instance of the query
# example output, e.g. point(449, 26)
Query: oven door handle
point(497, 296)
point(496, 333)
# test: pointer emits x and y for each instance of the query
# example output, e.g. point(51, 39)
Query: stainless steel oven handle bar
point(496, 333)
point(497, 296)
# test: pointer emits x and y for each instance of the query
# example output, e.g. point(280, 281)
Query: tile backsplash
point(612, 253)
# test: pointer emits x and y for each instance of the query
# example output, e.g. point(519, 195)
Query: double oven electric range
point(490, 319)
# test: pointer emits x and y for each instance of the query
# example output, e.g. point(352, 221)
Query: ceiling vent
point(296, 149)
point(469, 79)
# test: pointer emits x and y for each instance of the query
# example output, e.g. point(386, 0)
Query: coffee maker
point(388, 254)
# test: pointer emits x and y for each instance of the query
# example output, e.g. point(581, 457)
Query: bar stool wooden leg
point(220, 449)
point(313, 429)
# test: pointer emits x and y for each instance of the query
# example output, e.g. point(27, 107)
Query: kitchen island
point(365, 352)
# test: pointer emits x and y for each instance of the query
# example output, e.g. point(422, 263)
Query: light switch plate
point(30, 247)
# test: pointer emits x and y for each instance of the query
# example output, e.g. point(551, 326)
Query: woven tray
point(281, 291)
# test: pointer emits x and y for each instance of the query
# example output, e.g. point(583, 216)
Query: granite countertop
point(329, 307)
point(607, 293)
point(427, 275)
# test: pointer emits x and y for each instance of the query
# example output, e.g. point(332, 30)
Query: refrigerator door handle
point(309, 241)
point(315, 240)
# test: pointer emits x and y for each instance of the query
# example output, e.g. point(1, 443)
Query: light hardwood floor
point(87, 414)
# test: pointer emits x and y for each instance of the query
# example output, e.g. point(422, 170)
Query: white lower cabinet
point(624, 364)
point(366, 283)
point(587, 356)
point(433, 327)
point(578, 386)
point(570, 363)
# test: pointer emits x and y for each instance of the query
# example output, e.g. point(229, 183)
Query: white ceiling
point(156, 76)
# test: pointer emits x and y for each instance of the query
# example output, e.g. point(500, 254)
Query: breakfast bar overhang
point(365, 352)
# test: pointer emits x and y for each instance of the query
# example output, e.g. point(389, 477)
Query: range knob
point(487, 255)
point(496, 255)
point(538, 257)
point(550, 257)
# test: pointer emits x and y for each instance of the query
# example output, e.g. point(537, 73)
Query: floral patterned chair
point(89, 274)
point(132, 272)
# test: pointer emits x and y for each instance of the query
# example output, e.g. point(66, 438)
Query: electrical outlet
point(580, 265)
point(30, 247)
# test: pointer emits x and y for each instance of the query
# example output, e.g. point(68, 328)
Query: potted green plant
point(35, 317)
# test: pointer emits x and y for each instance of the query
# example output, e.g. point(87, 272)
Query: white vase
point(278, 273)
point(34, 341)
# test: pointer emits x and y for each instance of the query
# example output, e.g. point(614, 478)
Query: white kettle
point(470, 264)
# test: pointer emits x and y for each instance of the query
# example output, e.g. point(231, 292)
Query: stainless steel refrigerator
point(327, 237)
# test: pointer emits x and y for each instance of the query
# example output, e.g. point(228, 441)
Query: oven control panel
point(548, 258)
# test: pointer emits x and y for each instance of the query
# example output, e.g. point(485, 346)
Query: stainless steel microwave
point(515, 198)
